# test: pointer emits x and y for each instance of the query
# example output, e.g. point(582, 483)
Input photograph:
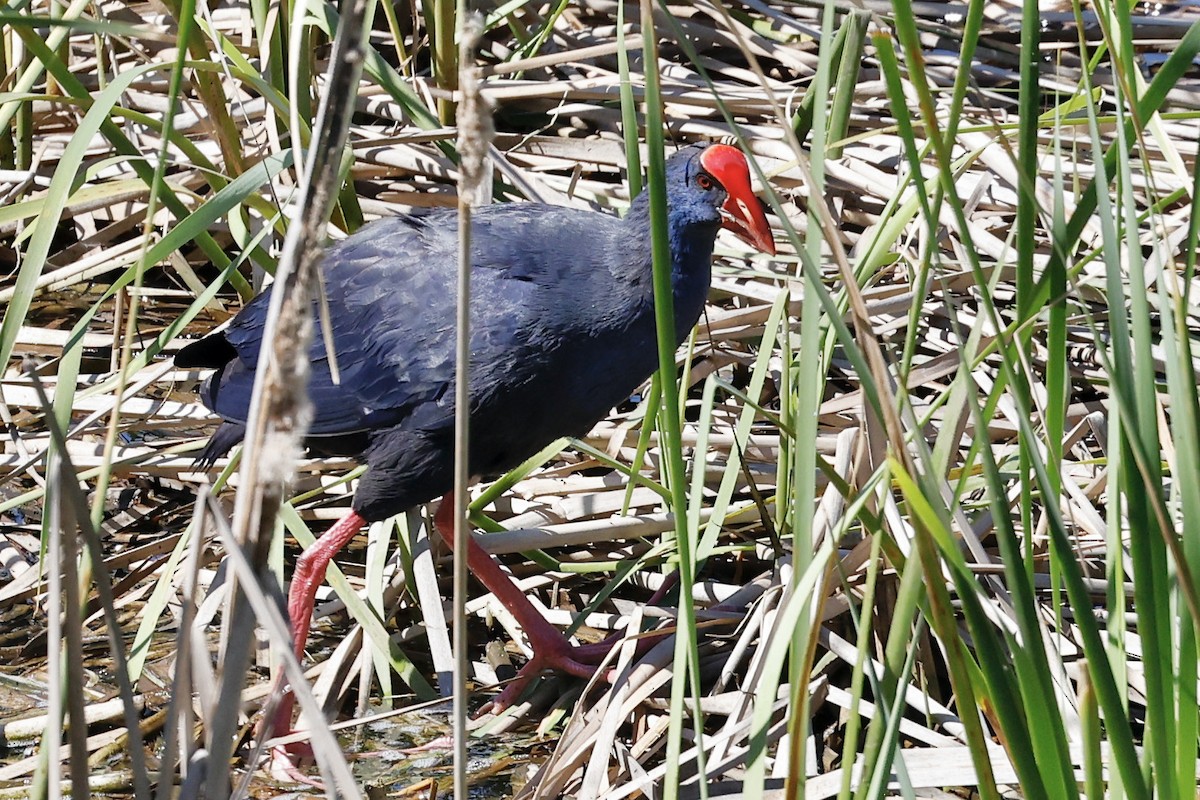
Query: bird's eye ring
point(704, 182)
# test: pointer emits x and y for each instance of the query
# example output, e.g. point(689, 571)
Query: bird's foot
point(555, 654)
point(285, 760)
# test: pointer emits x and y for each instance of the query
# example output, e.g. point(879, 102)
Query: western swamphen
point(562, 329)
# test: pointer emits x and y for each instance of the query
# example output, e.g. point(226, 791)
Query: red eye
point(704, 182)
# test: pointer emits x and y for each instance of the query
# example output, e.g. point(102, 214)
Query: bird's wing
point(529, 264)
point(229, 390)
point(394, 330)
point(391, 296)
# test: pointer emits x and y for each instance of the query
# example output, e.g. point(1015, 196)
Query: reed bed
point(931, 472)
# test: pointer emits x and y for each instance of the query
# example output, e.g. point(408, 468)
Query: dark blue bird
point(562, 329)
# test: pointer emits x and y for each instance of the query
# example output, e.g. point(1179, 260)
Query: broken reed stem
point(280, 409)
point(474, 139)
point(69, 511)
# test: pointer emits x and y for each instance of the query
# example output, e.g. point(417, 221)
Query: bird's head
point(716, 181)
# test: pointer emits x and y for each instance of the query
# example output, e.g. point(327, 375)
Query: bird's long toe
point(595, 653)
point(285, 760)
point(580, 661)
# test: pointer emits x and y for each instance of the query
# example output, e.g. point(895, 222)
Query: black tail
point(212, 351)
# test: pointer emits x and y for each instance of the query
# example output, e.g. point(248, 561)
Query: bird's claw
point(580, 661)
point(285, 760)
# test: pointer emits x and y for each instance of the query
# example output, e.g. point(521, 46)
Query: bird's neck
point(690, 243)
point(691, 248)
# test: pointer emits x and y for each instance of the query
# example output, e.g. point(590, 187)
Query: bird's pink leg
point(308, 575)
point(551, 650)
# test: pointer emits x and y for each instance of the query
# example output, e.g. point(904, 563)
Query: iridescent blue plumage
point(562, 329)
